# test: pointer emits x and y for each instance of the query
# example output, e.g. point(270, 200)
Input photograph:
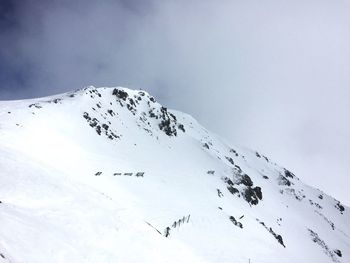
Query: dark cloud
point(272, 75)
point(8, 15)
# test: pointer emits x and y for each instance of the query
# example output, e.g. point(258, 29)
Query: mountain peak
point(100, 173)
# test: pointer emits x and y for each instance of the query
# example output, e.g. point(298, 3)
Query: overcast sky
point(272, 75)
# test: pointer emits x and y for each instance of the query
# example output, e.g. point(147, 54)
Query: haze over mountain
point(272, 75)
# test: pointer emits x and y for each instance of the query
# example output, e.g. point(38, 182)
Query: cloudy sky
point(273, 75)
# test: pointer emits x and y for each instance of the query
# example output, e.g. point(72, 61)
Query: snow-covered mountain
point(110, 175)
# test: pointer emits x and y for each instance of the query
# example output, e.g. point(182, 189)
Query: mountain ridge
point(162, 186)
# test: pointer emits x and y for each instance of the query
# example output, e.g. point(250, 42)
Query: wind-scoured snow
point(110, 175)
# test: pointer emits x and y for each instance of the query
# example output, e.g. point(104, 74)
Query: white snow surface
point(65, 196)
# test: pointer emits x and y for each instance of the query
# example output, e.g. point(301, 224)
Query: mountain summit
point(110, 175)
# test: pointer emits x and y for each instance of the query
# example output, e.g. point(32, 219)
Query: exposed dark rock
point(288, 173)
point(173, 116)
point(233, 151)
point(94, 123)
point(331, 224)
point(291, 191)
point(230, 160)
point(277, 236)
point(228, 181)
point(323, 245)
point(132, 103)
point(252, 195)
point(35, 105)
point(258, 192)
point(152, 114)
point(121, 94)
point(338, 252)
point(166, 127)
point(340, 207)
point(235, 222)
point(283, 180)
point(318, 205)
point(111, 112)
point(315, 204)
point(266, 159)
point(279, 239)
point(181, 127)
point(167, 121)
point(279, 220)
point(98, 129)
point(232, 190)
point(86, 116)
point(220, 194)
point(131, 108)
point(245, 179)
point(238, 169)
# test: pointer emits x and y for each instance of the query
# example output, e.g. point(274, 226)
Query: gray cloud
point(271, 75)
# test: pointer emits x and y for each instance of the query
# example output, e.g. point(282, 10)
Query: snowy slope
point(110, 175)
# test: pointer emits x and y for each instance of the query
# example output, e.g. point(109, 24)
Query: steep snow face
point(110, 175)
